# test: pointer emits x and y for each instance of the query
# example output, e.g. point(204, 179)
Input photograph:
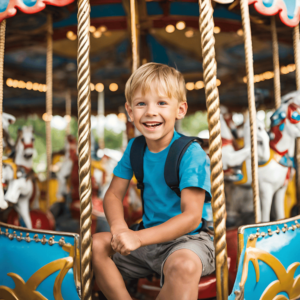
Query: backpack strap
point(137, 162)
point(176, 152)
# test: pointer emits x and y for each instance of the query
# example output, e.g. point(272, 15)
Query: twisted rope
point(2, 47)
point(134, 40)
point(251, 105)
point(276, 67)
point(215, 145)
point(84, 150)
point(49, 103)
point(297, 63)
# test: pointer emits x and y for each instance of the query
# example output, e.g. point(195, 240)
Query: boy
point(171, 243)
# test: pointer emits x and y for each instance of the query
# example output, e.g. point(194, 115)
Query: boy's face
point(154, 115)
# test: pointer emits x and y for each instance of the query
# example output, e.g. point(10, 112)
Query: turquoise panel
point(289, 4)
point(3, 5)
point(283, 246)
point(24, 259)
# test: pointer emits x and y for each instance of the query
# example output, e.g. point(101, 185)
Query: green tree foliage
point(195, 123)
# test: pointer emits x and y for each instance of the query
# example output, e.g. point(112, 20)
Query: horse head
point(285, 124)
point(25, 147)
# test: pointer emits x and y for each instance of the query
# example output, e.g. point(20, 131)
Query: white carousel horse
point(66, 167)
point(24, 149)
point(22, 193)
point(274, 174)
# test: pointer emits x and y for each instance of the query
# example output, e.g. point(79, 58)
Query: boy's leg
point(107, 275)
point(182, 273)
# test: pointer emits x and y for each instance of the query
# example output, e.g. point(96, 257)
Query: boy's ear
point(182, 110)
point(129, 111)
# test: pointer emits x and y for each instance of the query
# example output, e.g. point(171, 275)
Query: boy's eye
point(140, 104)
point(162, 102)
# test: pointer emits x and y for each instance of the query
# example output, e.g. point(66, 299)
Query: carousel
point(57, 57)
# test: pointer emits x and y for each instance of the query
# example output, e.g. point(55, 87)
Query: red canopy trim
point(12, 6)
point(278, 7)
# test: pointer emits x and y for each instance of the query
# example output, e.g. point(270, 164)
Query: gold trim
point(295, 219)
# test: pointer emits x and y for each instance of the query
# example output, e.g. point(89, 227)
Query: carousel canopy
point(168, 33)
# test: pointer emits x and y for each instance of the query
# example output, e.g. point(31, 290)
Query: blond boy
point(171, 242)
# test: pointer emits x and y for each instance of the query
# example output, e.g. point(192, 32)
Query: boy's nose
point(151, 112)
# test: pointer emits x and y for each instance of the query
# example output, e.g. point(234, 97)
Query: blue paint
point(295, 116)
point(30, 3)
point(281, 127)
point(97, 11)
point(3, 5)
point(33, 257)
point(283, 246)
point(153, 8)
point(268, 3)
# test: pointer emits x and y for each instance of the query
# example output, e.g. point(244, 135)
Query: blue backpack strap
point(176, 152)
point(137, 161)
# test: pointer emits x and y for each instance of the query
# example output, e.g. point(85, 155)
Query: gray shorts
point(150, 259)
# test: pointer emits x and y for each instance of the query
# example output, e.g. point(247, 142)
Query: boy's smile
point(154, 115)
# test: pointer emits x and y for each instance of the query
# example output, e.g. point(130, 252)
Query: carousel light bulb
point(15, 83)
point(240, 32)
point(218, 81)
point(99, 87)
point(189, 33)
point(245, 79)
point(35, 86)
point(217, 29)
point(113, 87)
point(92, 29)
point(29, 85)
point(180, 25)
point(170, 29)
point(21, 84)
point(102, 28)
point(71, 36)
point(97, 34)
point(122, 117)
point(92, 86)
point(44, 88)
point(199, 85)
point(190, 86)
point(9, 82)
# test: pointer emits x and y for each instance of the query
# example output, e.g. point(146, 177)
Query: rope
point(2, 47)
point(251, 105)
point(215, 145)
point(277, 93)
point(297, 63)
point(84, 150)
point(49, 104)
point(68, 110)
point(134, 40)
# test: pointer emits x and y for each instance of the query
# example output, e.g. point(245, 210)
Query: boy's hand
point(126, 241)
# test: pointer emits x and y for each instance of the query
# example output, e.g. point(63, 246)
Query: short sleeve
point(123, 168)
point(194, 170)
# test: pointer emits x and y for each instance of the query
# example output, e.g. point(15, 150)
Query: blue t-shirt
point(160, 202)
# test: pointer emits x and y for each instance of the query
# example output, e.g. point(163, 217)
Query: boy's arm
point(192, 200)
point(113, 204)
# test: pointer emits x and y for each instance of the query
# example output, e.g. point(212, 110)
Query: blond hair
point(166, 80)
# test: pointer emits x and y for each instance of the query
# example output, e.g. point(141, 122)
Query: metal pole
point(101, 110)
point(251, 106)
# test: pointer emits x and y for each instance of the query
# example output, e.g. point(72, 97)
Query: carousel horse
point(24, 149)
point(275, 173)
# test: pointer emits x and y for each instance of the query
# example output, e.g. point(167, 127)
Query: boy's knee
point(101, 244)
point(183, 270)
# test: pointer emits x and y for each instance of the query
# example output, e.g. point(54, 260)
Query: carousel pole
point(49, 103)
point(68, 110)
point(134, 36)
point(251, 105)
point(276, 67)
point(101, 110)
point(215, 145)
point(84, 146)
point(297, 64)
point(2, 47)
